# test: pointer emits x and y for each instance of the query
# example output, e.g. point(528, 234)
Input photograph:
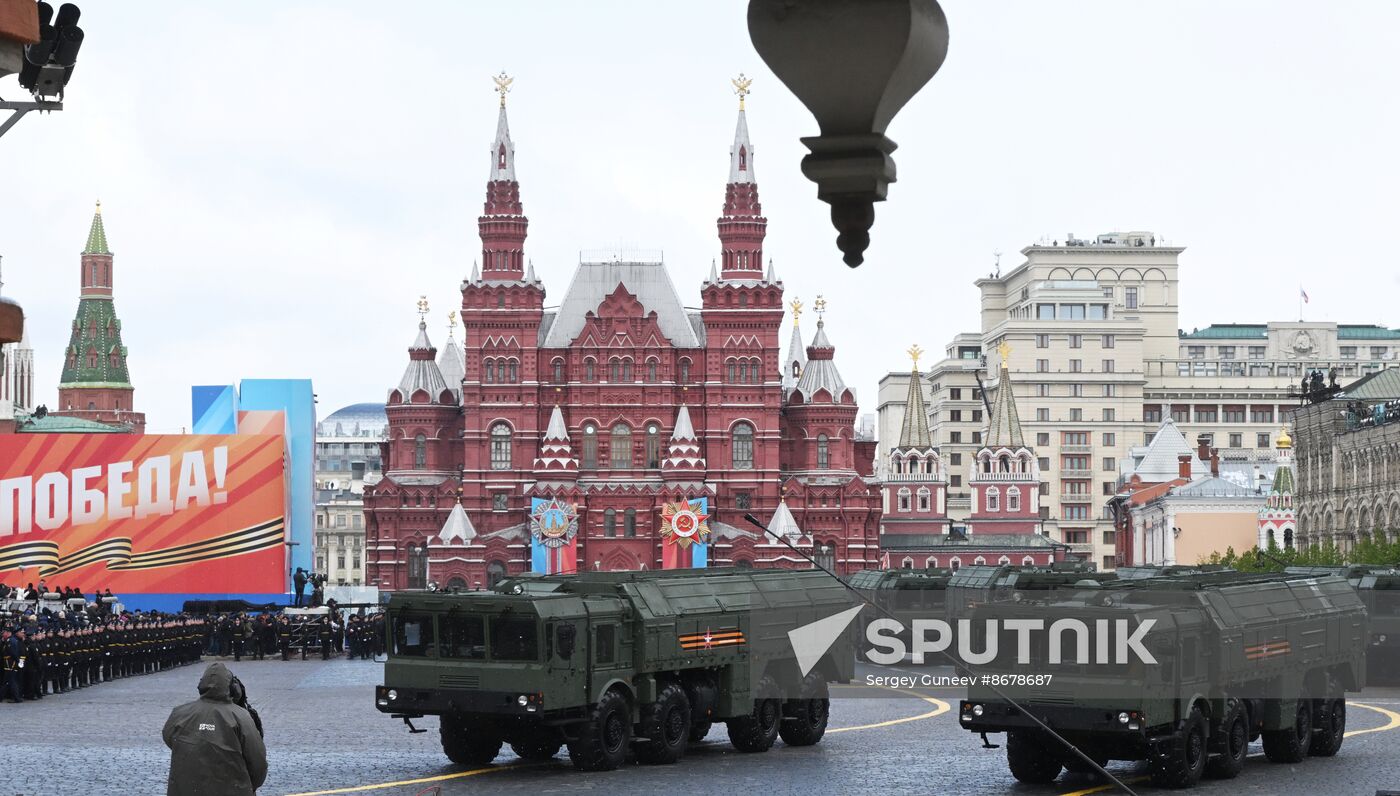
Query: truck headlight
point(522, 700)
point(1123, 718)
point(978, 710)
point(393, 695)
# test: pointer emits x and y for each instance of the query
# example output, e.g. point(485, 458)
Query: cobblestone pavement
point(324, 735)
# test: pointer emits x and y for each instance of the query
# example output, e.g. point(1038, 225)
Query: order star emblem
point(709, 639)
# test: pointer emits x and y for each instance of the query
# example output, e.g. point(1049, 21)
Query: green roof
point(97, 236)
point(1229, 331)
point(60, 424)
point(1383, 385)
point(1367, 332)
point(95, 354)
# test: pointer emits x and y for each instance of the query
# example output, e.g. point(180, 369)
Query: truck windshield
point(463, 636)
point(413, 635)
point(514, 638)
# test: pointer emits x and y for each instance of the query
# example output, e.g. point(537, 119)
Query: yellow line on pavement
point(1394, 719)
point(400, 783)
point(940, 707)
point(1102, 788)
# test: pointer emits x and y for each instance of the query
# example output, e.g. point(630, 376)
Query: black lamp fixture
point(854, 64)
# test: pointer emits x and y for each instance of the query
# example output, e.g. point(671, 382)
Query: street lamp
point(47, 64)
point(854, 64)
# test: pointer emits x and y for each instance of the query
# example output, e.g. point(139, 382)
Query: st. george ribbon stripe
point(117, 553)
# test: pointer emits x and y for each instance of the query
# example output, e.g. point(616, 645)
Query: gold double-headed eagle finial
point(796, 310)
point(451, 321)
point(914, 353)
point(422, 307)
point(1005, 351)
point(819, 306)
point(741, 87)
point(503, 82)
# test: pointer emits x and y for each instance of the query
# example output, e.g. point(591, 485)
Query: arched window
point(685, 371)
point(651, 370)
point(744, 297)
point(488, 371)
point(796, 369)
point(92, 358)
point(620, 449)
point(590, 447)
point(743, 158)
point(420, 451)
point(1027, 561)
point(823, 452)
point(1013, 499)
point(500, 447)
point(610, 522)
point(825, 556)
point(931, 562)
point(742, 458)
point(1004, 560)
point(501, 157)
point(559, 371)
point(629, 523)
point(614, 370)
point(514, 371)
point(907, 563)
point(924, 497)
point(653, 446)
point(417, 566)
point(904, 499)
point(589, 370)
point(626, 370)
point(955, 563)
point(730, 368)
point(980, 561)
point(993, 499)
point(495, 573)
point(501, 371)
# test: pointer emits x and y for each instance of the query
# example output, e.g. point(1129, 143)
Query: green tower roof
point(97, 236)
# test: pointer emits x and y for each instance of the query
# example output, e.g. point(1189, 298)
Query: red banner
point(144, 514)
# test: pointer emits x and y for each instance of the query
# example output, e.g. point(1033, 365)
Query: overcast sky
point(280, 181)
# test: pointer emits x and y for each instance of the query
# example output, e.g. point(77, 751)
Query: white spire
point(502, 151)
point(557, 431)
point(741, 154)
point(476, 273)
point(684, 432)
point(530, 274)
point(784, 524)
point(772, 275)
point(714, 275)
point(796, 359)
point(458, 527)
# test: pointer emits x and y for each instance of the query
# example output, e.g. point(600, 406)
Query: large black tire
point(1028, 759)
point(1331, 726)
point(1179, 764)
point(1231, 747)
point(466, 745)
point(1290, 744)
point(602, 741)
point(543, 745)
point(699, 731)
point(666, 725)
point(804, 719)
point(757, 731)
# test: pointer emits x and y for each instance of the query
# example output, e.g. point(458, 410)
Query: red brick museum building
point(617, 398)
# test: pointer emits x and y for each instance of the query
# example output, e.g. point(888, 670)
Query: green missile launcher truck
point(1237, 656)
point(1379, 588)
point(604, 662)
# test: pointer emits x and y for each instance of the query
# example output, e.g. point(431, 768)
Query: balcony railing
point(1076, 497)
point(1067, 448)
point(1068, 473)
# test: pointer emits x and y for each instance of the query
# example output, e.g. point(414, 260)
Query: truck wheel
point(1228, 760)
point(1028, 760)
point(699, 731)
point(1331, 727)
point(757, 731)
point(465, 746)
point(602, 741)
point(804, 719)
point(1290, 745)
point(666, 724)
point(1180, 763)
point(541, 746)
